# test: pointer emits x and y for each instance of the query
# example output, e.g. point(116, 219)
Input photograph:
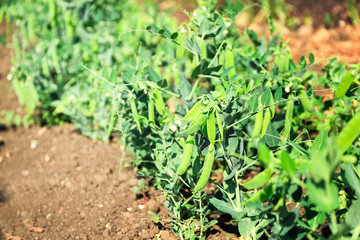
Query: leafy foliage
point(199, 98)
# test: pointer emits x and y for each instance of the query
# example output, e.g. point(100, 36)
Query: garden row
point(199, 105)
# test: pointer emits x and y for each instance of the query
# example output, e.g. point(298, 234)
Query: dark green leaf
point(278, 94)
point(272, 136)
point(226, 207)
point(319, 142)
point(287, 163)
point(266, 97)
point(353, 216)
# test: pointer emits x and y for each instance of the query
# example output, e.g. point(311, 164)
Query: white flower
point(204, 8)
point(178, 122)
point(10, 77)
point(173, 128)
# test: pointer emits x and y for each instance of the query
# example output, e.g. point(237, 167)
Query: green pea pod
point(159, 102)
point(262, 195)
point(52, 13)
point(194, 111)
point(196, 125)
point(222, 60)
point(55, 58)
point(229, 62)
point(185, 161)
point(179, 48)
point(206, 170)
point(135, 112)
point(272, 106)
point(151, 110)
point(305, 101)
point(176, 74)
point(349, 133)
point(257, 125)
point(211, 128)
point(288, 116)
point(203, 49)
point(221, 129)
point(344, 85)
point(45, 66)
point(69, 29)
point(259, 180)
point(266, 122)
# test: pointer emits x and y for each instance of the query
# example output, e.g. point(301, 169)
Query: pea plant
point(240, 114)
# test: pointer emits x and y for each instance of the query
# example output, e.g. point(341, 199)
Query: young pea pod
point(45, 67)
point(221, 129)
point(266, 122)
point(159, 102)
point(151, 110)
point(229, 62)
point(55, 58)
point(272, 106)
point(258, 123)
point(179, 48)
point(52, 13)
point(135, 112)
point(69, 29)
point(305, 101)
point(185, 161)
point(194, 111)
point(206, 171)
point(344, 84)
point(211, 128)
point(349, 133)
point(288, 116)
point(196, 125)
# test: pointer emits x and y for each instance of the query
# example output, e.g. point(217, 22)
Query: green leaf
point(266, 97)
point(352, 178)
point(319, 142)
point(246, 226)
point(278, 94)
point(264, 153)
point(353, 216)
point(272, 136)
point(113, 76)
point(311, 58)
point(226, 207)
point(17, 120)
point(259, 180)
point(326, 201)
point(8, 118)
point(287, 163)
point(253, 103)
point(154, 77)
point(155, 216)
